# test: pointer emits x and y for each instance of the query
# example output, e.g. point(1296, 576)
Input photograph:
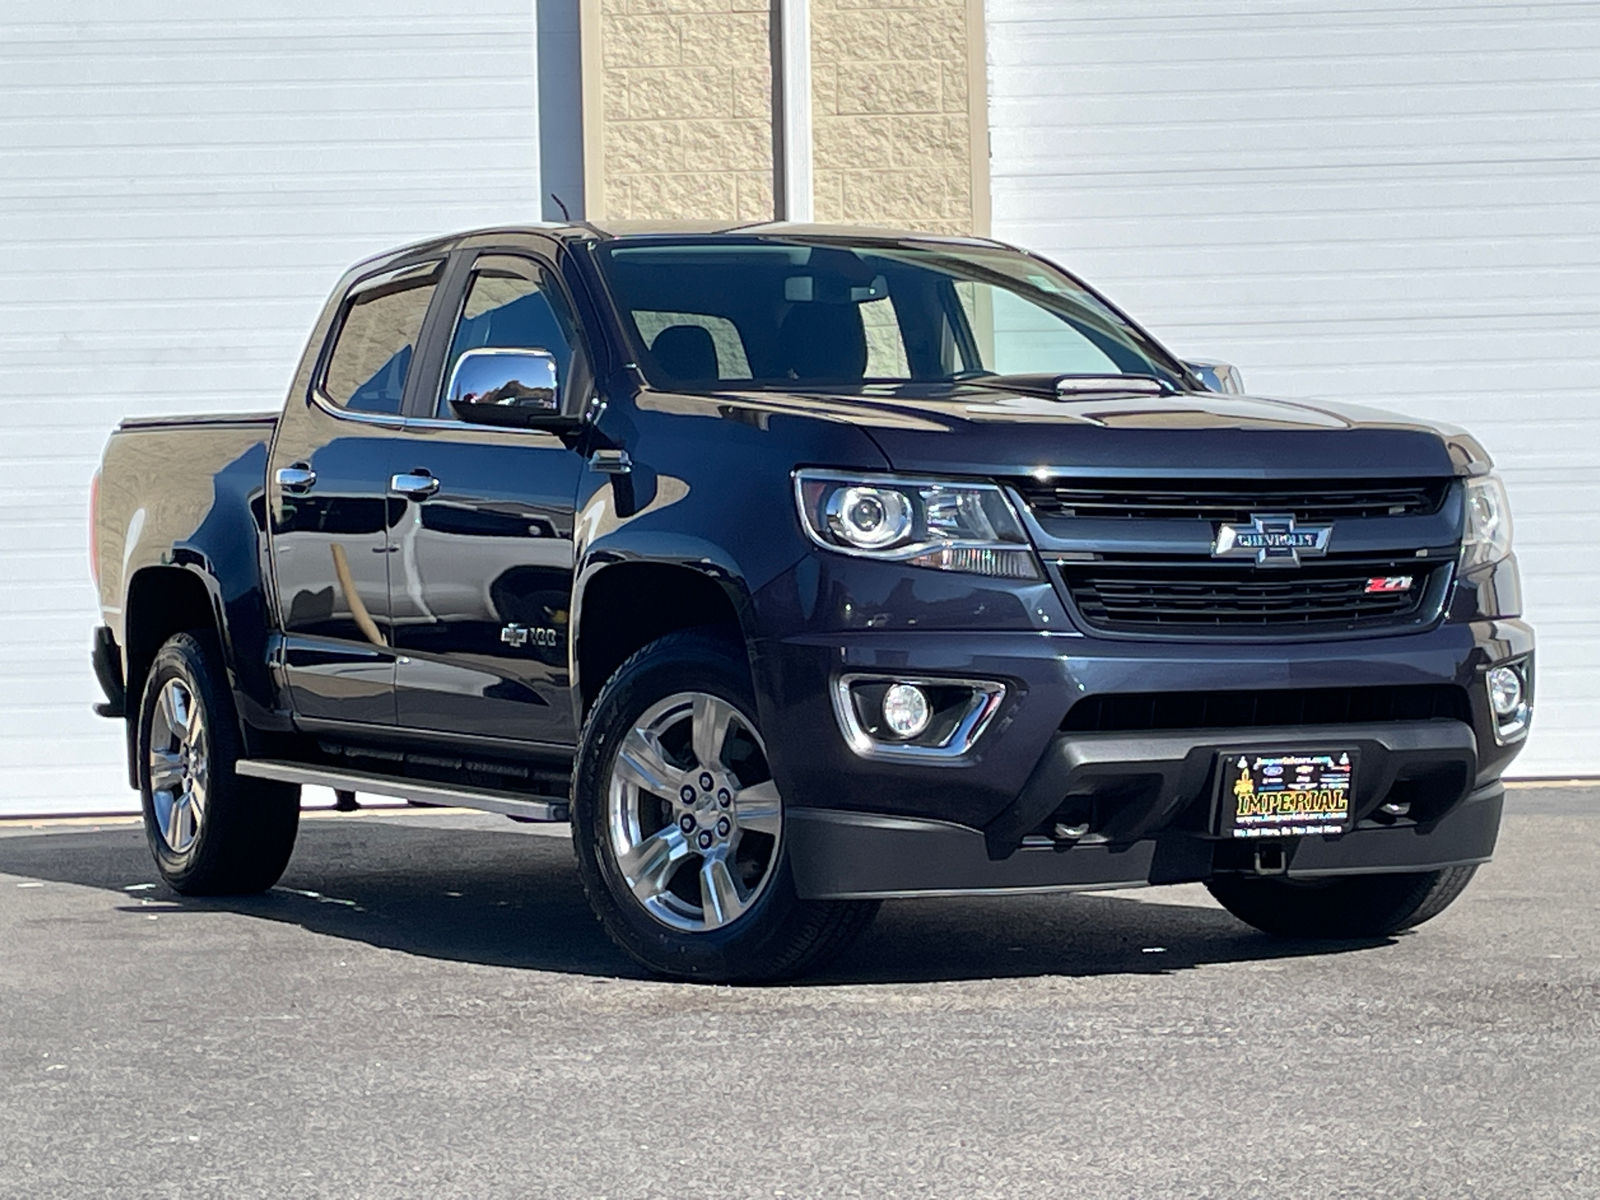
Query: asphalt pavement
point(425, 1007)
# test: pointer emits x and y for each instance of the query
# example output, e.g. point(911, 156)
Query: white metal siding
point(181, 181)
point(1357, 200)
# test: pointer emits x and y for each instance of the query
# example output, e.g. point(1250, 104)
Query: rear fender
point(220, 548)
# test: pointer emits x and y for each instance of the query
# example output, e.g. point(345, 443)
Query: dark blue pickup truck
point(803, 567)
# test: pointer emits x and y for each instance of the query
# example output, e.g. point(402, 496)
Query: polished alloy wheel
point(180, 765)
point(694, 816)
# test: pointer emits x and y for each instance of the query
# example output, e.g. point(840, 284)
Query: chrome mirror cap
point(504, 387)
point(1218, 376)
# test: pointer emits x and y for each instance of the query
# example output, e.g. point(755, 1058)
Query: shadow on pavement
point(503, 899)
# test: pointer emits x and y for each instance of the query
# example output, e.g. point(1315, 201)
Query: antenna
point(562, 206)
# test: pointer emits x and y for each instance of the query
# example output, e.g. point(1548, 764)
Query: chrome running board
point(484, 799)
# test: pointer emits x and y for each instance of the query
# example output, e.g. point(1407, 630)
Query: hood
point(968, 431)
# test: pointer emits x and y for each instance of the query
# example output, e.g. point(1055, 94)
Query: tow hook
point(1271, 859)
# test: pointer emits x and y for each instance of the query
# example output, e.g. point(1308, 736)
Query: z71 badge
point(1273, 539)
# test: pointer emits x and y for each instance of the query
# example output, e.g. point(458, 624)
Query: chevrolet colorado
point(803, 567)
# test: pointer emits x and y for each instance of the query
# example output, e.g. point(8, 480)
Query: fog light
point(905, 710)
point(1505, 691)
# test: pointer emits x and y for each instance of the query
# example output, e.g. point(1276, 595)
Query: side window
point(511, 304)
point(377, 338)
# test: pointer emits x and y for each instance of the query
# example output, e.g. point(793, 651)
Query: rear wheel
point(211, 831)
point(1349, 906)
point(679, 826)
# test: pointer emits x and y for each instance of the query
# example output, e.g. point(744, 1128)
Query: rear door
point(328, 480)
point(482, 562)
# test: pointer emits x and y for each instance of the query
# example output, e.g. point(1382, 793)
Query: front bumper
point(1126, 786)
point(866, 827)
point(857, 856)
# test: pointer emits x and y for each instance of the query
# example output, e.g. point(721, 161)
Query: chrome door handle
point(417, 484)
point(297, 478)
point(610, 462)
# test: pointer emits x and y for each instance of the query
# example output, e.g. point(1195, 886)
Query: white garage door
point(1392, 204)
point(181, 181)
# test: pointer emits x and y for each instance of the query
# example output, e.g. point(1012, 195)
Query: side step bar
point(485, 799)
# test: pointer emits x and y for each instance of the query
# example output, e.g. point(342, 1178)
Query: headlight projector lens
point(870, 517)
point(1505, 691)
point(905, 710)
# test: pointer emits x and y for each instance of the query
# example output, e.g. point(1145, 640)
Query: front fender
point(708, 487)
point(710, 490)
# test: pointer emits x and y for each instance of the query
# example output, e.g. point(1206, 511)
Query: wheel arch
point(622, 606)
point(162, 601)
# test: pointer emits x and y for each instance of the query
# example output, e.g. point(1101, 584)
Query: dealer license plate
point(1282, 795)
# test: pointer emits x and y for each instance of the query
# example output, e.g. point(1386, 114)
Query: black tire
point(246, 830)
point(778, 935)
point(1349, 906)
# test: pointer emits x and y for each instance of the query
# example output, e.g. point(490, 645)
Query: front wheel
point(1349, 906)
point(211, 831)
point(679, 826)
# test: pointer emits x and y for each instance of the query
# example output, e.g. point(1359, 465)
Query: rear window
point(377, 338)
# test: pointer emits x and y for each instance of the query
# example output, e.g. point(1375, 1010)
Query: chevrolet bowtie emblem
point(1273, 539)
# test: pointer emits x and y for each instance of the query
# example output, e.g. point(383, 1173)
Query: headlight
point(1487, 538)
point(925, 522)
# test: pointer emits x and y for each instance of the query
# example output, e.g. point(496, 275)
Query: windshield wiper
point(1071, 387)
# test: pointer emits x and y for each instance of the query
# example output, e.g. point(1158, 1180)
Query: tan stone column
point(900, 113)
point(678, 109)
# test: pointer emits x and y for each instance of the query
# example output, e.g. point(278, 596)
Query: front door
point(328, 481)
point(482, 561)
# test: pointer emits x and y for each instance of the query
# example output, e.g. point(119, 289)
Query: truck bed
point(199, 420)
point(175, 484)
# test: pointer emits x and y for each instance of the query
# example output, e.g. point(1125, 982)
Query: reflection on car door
point(481, 573)
point(328, 482)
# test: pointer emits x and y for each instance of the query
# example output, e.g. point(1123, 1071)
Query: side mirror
point(1218, 376)
point(516, 388)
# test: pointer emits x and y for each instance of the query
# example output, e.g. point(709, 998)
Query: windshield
point(787, 312)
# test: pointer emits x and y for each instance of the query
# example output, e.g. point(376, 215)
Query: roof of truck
point(606, 230)
point(632, 229)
